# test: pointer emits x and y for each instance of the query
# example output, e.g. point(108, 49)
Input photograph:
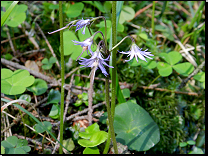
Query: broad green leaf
point(54, 96)
point(135, 127)
point(34, 118)
point(91, 150)
point(13, 145)
point(164, 69)
point(200, 76)
point(8, 12)
point(69, 47)
point(40, 128)
point(69, 144)
point(184, 68)
point(191, 142)
point(143, 35)
point(89, 131)
point(183, 144)
point(55, 111)
point(127, 13)
point(17, 16)
point(126, 92)
point(13, 83)
point(172, 57)
point(96, 139)
point(39, 87)
point(99, 6)
point(2, 150)
point(75, 10)
point(149, 64)
point(196, 150)
point(25, 97)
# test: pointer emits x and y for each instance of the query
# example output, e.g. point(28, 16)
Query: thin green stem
point(62, 77)
point(153, 17)
point(154, 80)
point(121, 42)
point(113, 99)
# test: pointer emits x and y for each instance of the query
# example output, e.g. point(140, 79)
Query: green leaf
point(48, 64)
point(69, 47)
point(196, 150)
point(25, 97)
point(149, 64)
point(55, 111)
point(2, 150)
point(91, 150)
point(40, 128)
point(75, 10)
point(13, 145)
point(13, 83)
point(184, 68)
point(99, 6)
point(127, 13)
point(134, 127)
point(89, 131)
point(34, 118)
point(183, 144)
point(164, 69)
point(200, 76)
point(69, 144)
point(134, 63)
point(96, 139)
point(191, 142)
point(39, 87)
point(54, 96)
point(172, 57)
point(126, 92)
point(8, 12)
point(143, 35)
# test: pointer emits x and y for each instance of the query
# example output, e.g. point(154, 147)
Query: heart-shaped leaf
point(54, 96)
point(75, 10)
point(135, 127)
point(69, 144)
point(184, 68)
point(39, 87)
point(89, 131)
point(13, 83)
point(91, 150)
point(25, 97)
point(164, 69)
point(126, 92)
point(127, 13)
point(39, 127)
point(96, 139)
point(200, 76)
point(55, 111)
point(13, 145)
point(172, 57)
point(47, 64)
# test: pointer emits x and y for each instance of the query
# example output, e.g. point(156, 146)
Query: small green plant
point(82, 98)
point(92, 137)
point(39, 87)
point(13, 145)
point(47, 64)
point(13, 83)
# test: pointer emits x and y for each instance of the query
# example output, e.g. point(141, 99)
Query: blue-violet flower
point(135, 51)
point(82, 23)
point(96, 61)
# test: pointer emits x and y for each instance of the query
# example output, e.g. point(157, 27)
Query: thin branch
point(49, 46)
point(14, 38)
point(10, 41)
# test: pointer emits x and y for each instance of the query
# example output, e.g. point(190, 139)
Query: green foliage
point(55, 111)
point(39, 87)
point(92, 136)
point(126, 92)
point(127, 13)
point(13, 83)
point(13, 145)
point(82, 98)
point(16, 14)
point(47, 64)
point(91, 150)
point(39, 127)
point(69, 144)
point(134, 127)
point(75, 10)
point(54, 96)
point(2, 150)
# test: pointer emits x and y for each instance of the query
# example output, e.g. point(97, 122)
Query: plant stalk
point(62, 77)
point(153, 17)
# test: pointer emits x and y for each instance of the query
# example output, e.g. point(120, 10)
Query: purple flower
point(86, 44)
point(135, 51)
point(82, 23)
point(96, 61)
